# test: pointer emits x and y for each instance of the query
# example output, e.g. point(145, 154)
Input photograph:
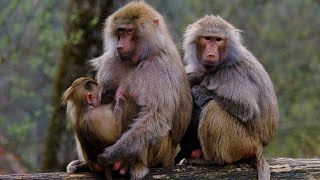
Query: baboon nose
point(211, 57)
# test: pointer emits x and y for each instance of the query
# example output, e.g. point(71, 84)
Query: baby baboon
point(95, 124)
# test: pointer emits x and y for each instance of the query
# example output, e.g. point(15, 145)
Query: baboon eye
point(130, 30)
point(218, 39)
point(207, 38)
point(120, 30)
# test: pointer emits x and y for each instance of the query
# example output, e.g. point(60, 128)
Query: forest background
point(45, 45)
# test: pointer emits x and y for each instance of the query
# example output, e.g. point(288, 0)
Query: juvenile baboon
point(95, 125)
point(143, 64)
point(239, 110)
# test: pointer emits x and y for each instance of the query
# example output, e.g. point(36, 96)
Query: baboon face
point(210, 50)
point(127, 43)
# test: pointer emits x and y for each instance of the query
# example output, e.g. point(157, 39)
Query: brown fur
point(242, 115)
point(157, 85)
point(95, 127)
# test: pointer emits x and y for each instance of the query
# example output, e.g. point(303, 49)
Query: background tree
point(83, 30)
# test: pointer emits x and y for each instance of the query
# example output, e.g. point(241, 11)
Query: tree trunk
point(281, 168)
point(84, 41)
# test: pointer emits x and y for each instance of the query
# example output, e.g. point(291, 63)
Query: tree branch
point(281, 168)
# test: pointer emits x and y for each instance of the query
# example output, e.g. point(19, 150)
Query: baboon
point(239, 110)
point(143, 64)
point(95, 124)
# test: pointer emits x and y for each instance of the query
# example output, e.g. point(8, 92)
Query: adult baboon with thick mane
point(233, 92)
point(141, 63)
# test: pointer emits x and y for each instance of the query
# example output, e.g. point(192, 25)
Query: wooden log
point(281, 168)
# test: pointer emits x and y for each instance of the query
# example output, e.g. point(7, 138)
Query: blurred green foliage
point(284, 35)
point(31, 39)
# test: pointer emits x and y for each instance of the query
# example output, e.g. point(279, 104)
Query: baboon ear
point(156, 21)
point(89, 98)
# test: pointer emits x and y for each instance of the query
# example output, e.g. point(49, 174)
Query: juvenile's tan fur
point(94, 128)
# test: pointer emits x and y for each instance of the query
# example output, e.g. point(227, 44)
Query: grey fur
point(158, 85)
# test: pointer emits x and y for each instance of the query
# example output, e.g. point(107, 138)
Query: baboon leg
point(224, 138)
point(162, 153)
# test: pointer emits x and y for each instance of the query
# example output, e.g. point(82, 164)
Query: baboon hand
point(201, 95)
point(107, 157)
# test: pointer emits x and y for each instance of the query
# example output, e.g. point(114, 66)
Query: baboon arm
point(201, 96)
point(236, 91)
point(150, 126)
point(154, 120)
point(237, 109)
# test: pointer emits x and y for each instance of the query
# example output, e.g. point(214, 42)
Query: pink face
point(210, 50)
point(127, 43)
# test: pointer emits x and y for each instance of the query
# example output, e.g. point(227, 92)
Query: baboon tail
point(262, 168)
